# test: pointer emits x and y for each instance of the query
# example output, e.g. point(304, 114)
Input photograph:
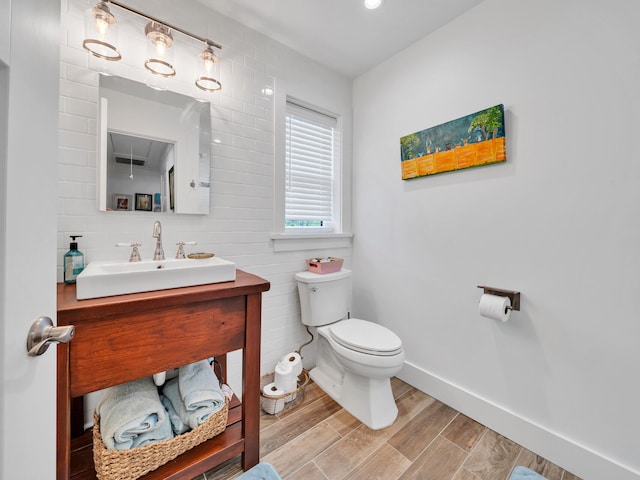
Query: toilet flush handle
point(314, 289)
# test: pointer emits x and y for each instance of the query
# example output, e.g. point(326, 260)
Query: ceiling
point(342, 34)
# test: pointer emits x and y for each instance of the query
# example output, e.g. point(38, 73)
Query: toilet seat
point(365, 337)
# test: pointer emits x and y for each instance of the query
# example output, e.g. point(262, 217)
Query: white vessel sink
point(105, 279)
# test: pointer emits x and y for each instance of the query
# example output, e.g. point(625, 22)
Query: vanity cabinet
point(122, 338)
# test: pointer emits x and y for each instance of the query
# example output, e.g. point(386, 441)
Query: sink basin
point(104, 279)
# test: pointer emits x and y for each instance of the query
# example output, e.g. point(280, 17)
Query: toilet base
point(370, 400)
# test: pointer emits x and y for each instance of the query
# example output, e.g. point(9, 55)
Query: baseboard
point(564, 452)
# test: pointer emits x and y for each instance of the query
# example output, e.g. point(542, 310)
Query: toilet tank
point(324, 298)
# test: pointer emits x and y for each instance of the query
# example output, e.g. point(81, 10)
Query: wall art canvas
point(471, 141)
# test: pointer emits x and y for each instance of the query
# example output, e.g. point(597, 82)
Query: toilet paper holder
point(512, 294)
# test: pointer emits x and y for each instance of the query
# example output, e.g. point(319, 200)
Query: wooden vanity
point(122, 338)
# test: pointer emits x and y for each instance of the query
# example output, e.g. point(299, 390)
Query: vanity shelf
point(122, 338)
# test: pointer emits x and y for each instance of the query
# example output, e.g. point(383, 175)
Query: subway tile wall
point(240, 222)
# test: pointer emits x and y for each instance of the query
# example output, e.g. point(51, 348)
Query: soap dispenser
point(73, 261)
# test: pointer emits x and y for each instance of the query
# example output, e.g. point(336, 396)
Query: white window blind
point(311, 150)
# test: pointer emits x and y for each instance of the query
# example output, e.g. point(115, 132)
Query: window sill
point(289, 242)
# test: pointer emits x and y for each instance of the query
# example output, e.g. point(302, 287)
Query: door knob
point(42, 333)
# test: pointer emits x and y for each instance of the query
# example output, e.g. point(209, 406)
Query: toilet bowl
point(356, 358)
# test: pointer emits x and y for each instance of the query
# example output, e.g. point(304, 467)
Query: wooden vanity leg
point(63, 413)
point(251, 383)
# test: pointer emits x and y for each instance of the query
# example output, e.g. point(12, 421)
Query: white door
point(28, 207)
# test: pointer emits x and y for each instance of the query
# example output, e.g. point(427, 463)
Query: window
point(312, 167)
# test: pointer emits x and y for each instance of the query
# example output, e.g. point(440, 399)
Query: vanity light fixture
point(208, 64)
point(102, 33)
point(372, 4)
point(159, 52)
point(101, 41)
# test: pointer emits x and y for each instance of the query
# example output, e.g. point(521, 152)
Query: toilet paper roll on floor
point(272, 405)
point(495, 307)
point(285, 378)
point(295, 360)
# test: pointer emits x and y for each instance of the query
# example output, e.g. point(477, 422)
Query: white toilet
point(356, 358)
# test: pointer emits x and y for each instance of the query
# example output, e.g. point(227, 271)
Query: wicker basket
point(133, 463)
point(273, 404)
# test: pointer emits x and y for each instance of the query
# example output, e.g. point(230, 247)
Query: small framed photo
point(122, 202)
point(144, 201)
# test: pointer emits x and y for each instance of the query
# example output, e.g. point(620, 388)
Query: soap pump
point(73, 261)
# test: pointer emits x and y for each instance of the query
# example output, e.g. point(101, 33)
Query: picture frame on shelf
point(122, 202)
point(144, 202)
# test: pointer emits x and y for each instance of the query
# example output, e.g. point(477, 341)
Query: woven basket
point(133, 463)
point(273, 404)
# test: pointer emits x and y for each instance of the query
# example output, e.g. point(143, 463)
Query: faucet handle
point(135, 254)
point(180, 253)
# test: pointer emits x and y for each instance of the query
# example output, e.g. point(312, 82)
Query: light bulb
point(102, 25)
point(208, 58)
point(161, 46)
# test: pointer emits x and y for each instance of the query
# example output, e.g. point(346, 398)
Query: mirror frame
point(131, 108)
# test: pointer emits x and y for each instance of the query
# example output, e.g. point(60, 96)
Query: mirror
point(154, 149)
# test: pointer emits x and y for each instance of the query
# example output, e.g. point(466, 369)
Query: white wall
point(558, 222)
point(240, 223)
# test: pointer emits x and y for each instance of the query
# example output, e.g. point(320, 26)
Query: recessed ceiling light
point(371, 4)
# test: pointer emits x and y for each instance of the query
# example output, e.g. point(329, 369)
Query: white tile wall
point(241, 215)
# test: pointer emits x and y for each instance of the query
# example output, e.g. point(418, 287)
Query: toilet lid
point(366, 337)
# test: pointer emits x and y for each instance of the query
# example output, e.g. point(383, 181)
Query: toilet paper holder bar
point(512, 294)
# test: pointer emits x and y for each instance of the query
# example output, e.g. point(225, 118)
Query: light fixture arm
point(172, 27)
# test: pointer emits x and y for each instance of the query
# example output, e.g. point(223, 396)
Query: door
point(29, 86)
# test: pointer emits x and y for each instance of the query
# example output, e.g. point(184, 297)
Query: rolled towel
point(190, 418)
point(199, 386)
point(177, 424)
point(132, 415)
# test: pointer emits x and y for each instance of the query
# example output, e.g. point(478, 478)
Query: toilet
point(356, 358)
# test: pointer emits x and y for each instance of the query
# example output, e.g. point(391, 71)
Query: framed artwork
point(122, 202)
point(144, 201)
point(470, 141)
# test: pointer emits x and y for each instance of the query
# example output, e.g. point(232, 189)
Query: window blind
point(311, 146)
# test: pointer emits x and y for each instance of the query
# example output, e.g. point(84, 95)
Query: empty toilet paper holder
point(512, 294)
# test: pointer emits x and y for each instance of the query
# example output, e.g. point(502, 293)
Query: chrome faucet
point(157, 234)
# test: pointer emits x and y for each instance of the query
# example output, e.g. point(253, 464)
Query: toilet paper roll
point(272, 405)
point(495, 307)
point(284, 378)
point(295, 360)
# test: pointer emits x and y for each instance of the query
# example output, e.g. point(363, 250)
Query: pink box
point(324, 265)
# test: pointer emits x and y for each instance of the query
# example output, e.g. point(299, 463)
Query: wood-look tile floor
point(315, 439)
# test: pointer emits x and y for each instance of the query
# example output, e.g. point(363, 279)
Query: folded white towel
point(132, 415)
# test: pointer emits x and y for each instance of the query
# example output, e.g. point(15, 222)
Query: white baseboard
point(579, 460)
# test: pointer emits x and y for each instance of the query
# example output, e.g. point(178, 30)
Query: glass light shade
point(208, 71)
point(101, 33)
point(159, 52)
